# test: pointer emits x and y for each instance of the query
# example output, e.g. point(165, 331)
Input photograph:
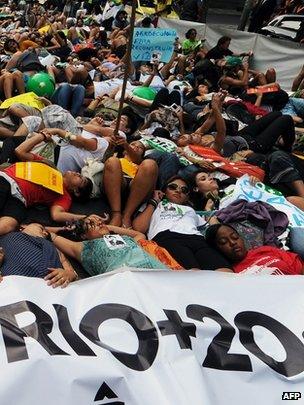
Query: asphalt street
point(224, 17)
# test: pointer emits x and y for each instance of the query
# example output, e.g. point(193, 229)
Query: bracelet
point(153, 202)
point(44, 136)
point(69, 136)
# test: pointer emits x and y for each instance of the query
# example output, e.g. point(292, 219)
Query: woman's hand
point(97, 219)
point(245, 65)
point(97, 121)
point(216, 102)
point(155, 68)
point(59, 277)
point(121, 141)
point(100, 98)
point(53, 131)
point(209, 205)
point(223, 94)
point(47, 137)
point(158, 196)
point(253, 180)
point(207, 165)
point(179, 113)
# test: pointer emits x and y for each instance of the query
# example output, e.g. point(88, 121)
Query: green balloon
point(145, 92)
point(41, 84)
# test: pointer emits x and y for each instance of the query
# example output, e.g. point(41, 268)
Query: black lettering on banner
point(175, 326)
point(13, 335)
point(64, 324)
point(104, 392)
point(142, 325)
point(294, 362)
point(217, 354)
point(113, 403)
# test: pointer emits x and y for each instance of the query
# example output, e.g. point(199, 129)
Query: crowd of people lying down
point(152, 194)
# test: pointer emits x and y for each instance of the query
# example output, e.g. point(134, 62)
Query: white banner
point(285, 56)
point(152, 337)
point(182, 26)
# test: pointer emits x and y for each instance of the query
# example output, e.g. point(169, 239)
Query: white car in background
point(283, 26)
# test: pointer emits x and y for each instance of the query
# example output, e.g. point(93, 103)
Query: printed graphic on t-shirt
point(171, 211)
point(263, 266)
point(114, 242)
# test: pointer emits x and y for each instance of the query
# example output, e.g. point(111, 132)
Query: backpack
point(29, 61)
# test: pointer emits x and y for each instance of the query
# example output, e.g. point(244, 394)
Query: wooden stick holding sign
point(127, 67)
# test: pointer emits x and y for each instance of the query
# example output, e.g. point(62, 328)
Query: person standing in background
point(261, 14)
point(194, 10)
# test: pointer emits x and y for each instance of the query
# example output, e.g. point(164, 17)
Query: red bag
point(233, 169)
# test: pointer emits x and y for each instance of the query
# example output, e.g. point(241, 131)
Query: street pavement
point(229, 18)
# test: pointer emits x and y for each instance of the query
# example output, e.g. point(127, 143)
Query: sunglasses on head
point(174, 186)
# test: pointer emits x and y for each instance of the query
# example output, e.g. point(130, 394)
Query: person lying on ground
point(172, 223)
point(101, 248)
point(17, 193)
point(130, 173)
point(29, 252)
point(261, 260)
point(260, 136)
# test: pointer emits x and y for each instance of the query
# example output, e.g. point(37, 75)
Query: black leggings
point(164, 97)
point(264, 133)
point(191, 251)
point(10, 206)
point(7, 154)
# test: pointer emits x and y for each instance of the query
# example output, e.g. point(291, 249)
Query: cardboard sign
point(147, 42)
point(30, 99)
point(265, 89)
point(41, 174)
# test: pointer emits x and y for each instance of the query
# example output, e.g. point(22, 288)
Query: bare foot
point(126, 222)
point(116, 219)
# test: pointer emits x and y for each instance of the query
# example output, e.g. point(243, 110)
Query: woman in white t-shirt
point(73, 153)
point(173, 224)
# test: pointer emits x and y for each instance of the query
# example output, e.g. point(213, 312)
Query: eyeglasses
point(173, 186)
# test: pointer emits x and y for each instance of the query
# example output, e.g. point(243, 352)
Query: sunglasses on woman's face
point(173, 186)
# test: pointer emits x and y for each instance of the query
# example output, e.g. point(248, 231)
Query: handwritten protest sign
point(150, 41)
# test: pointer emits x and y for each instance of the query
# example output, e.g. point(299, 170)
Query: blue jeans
point(193, 109)
point(70, 97)
point(297, 241)
point(187, 172)
point(295, 106)
point(168, 166)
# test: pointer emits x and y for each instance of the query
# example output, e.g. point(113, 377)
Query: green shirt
point(189, 46)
